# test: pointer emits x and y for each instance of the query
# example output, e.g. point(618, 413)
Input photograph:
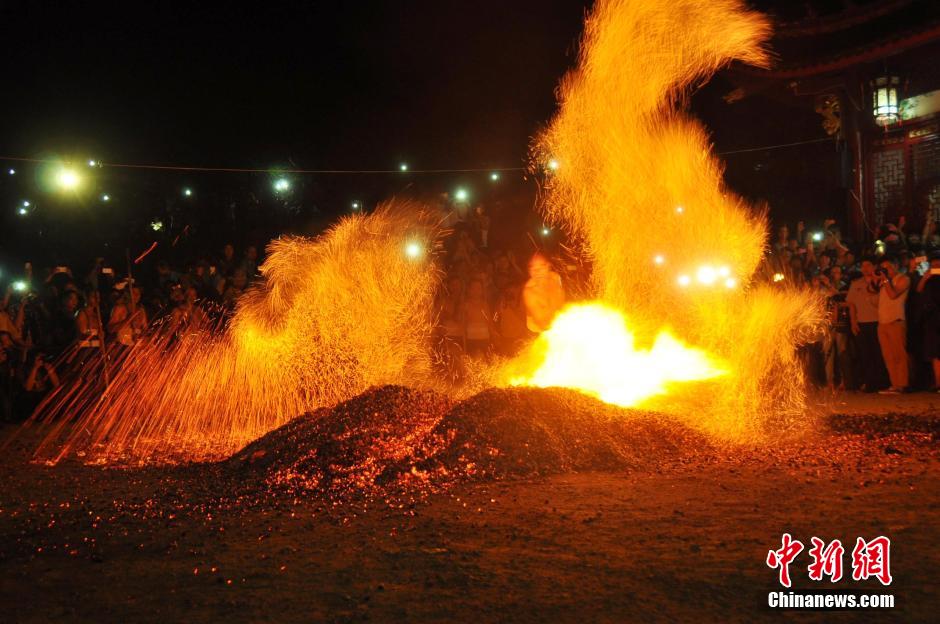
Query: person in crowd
point(203, 277)
point(847, 262)
point(128, 318)
point(543, 294)
point(862, 299)
point(464, 249)
point(797, 271)
point(227, 263)
point(482, 270)
point(930, 237)
point(913, 263)
point(783, 238)
point(42, 377)
point(506, 271)
point(12, 324)
point(511, 330)
point(34, 385)
point(88, 331)
point(7, 378)
point(187, 313)
point(64, 329)
point(928, 289)
point(166, 276)
point(836, 342)
point(249, 263)
point(482, 226)
point(477, 318)
point(235, 287)
point(88, 321)
point(892, 325)
point(832, 238)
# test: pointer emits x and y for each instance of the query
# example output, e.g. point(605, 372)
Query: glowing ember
point(590, 347)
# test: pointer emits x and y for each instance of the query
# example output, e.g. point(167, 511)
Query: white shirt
point(891, 310)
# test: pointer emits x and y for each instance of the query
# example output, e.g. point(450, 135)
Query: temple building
point(871, 70)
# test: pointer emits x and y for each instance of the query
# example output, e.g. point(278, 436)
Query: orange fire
point(631, 178)
point(590, 347)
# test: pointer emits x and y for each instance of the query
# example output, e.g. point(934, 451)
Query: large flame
point(590, 347)
point(633, 179)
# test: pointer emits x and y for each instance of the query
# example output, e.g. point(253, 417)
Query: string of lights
point(402, 168)
point(771, 147)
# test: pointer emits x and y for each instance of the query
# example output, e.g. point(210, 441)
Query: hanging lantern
point(885, 100)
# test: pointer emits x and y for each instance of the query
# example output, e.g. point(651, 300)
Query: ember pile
point(398, 440)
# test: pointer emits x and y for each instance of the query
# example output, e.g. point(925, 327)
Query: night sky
point(338, 85)
point(327, 84)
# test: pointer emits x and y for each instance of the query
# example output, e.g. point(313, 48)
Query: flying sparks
point(639, 182)
point(629, 175)
point(333, 316)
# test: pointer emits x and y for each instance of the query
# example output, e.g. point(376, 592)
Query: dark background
point(315, 85)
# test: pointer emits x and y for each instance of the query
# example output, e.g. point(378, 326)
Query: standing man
point(892, 323)
point(543, 294)
point(862, 300)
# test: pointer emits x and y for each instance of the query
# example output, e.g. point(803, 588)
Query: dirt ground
point(679, 542)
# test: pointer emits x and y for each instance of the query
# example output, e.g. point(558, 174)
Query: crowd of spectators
point(883, 329)
point(883, 332)
point(480, 308)
point(54, 320)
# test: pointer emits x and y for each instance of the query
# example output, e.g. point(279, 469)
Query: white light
point(22, 211)
point(156, 225)
point(779, 277)
point(105, 197)
point(19, 286)
point(12, 172)
point(546, 231)
point(494, 176)
point(553, 164)
point(26, 203)
point(355, 205)
point(461, 195)
point(706, 275)
point(731, 282)
point(885, 99)
point(281, 185)
point(68, 179)
point(724, 271)
point(684, 280)
point(92, 163)
point(413, 250)
point(679, 209)
point(403, 167)
point(188, 192)
point(817, 236)
point(659, 259)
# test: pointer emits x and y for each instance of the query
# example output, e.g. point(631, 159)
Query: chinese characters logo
point(869, 559)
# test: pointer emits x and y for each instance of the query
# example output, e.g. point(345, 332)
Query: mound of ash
point(395, 439)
